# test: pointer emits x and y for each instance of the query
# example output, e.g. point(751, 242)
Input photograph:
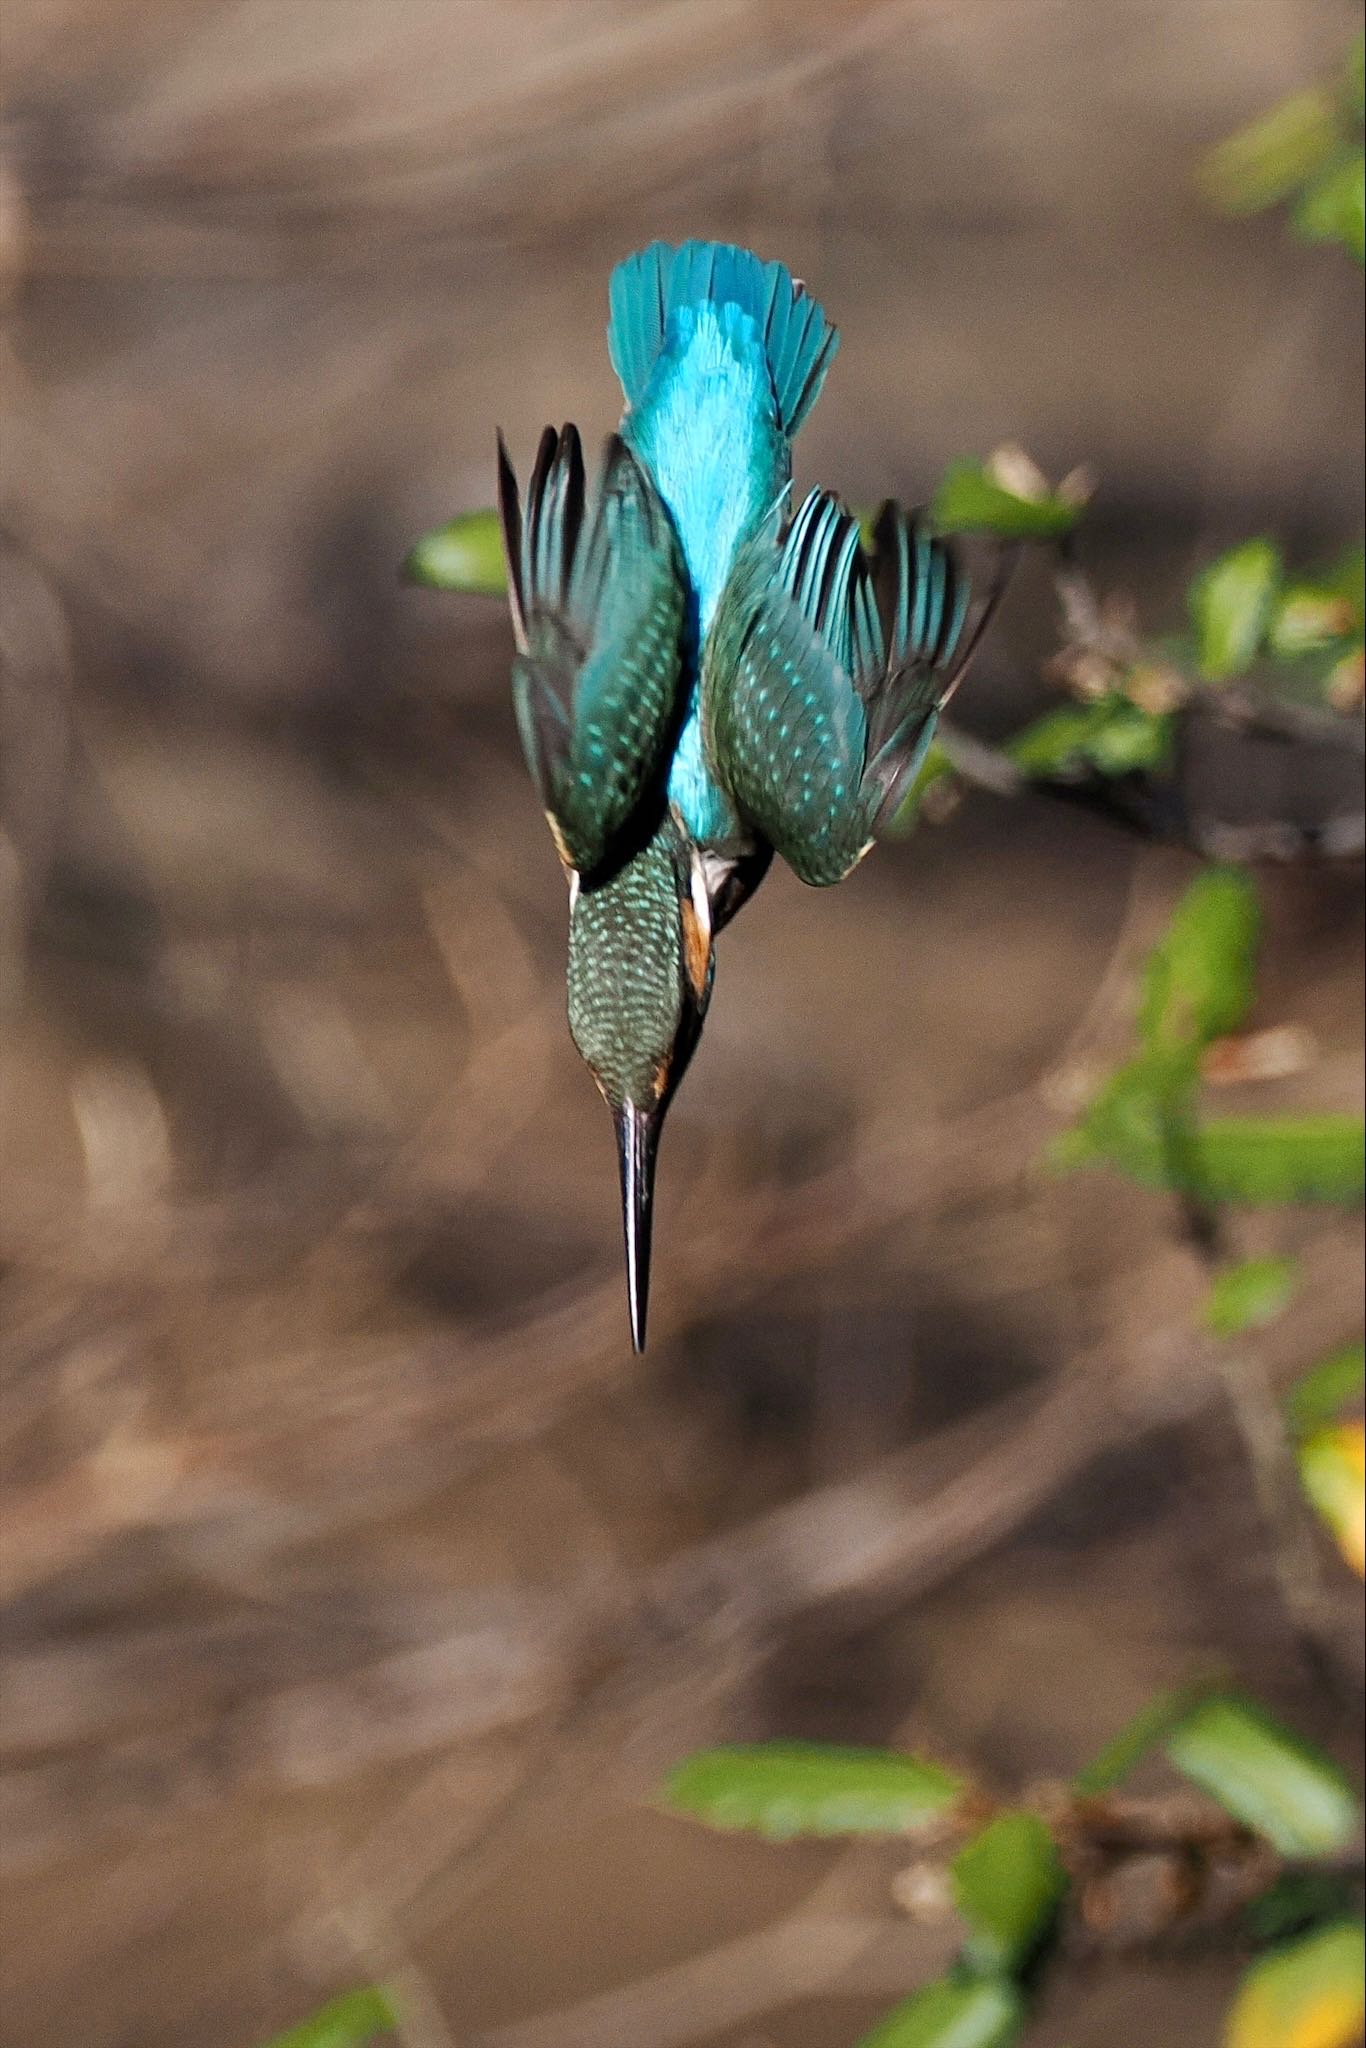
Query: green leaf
point(1131, 741)
point(1320, 1397)
point(1150, 1725)
point(1348, 580)
point(1113, 736)
point(1008, 1883)
point(1273, 156)
point(464, 554)
point(1308, 618)
point(1332, 1466)
point(970, 501)
point(1140, 1122)
point(1298, 1900)
point(1256, 1162)
point(1267, 1778)
point(1263, 1162)
point(1250, 1295)
point(1230, 605)
point(1333, 208)
point(1055, 744)
point(781, 1789)
point(1306, 1995)
point(351, 2021)
point(1198, 981)
point(954, 2012)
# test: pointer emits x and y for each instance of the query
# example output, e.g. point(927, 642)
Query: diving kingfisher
point(702, 678)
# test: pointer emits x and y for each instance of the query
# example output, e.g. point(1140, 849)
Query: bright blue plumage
point(720, 357)
point(649, 287)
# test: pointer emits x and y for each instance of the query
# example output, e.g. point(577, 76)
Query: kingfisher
point(702, 677)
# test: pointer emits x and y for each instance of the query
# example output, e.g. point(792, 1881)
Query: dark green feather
point(824, 677)
point(785, 732)
point(640, 975)
point(599, 600)
point(626, 973)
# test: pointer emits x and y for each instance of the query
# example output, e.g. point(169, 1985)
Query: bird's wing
point(599, 599)
point(924, 639)
point(825, 674)
point(785, 724)
point(934, 603)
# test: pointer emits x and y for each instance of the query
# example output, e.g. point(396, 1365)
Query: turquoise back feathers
point(651, 289)
point(720, 358)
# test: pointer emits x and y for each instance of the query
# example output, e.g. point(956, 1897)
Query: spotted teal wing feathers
point(599, 599)
point(825, 676)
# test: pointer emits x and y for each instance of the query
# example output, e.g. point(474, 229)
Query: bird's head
point(640, 976)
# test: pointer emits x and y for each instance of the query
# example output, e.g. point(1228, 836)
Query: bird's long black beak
point(637, 1139)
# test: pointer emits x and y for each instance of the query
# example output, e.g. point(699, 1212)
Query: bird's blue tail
point(649, 288)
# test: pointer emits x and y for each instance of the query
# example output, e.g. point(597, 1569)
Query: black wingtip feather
point(571, 454)
point(891, 570)
point(510, 519)
point(540, 468)
point(1003, 560)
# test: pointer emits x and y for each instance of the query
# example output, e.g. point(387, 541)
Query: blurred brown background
point(357, 1584)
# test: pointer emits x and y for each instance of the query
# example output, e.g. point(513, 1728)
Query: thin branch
point(1280, 718)
point(979, 763)
point(1257, 1413)
point(695, 2000)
